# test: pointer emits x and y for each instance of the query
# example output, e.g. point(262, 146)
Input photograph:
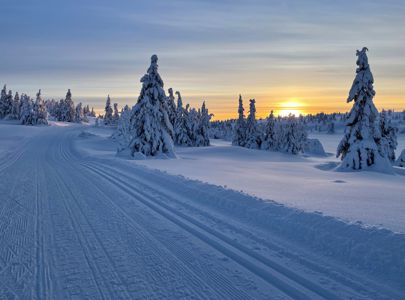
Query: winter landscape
point(167, 194)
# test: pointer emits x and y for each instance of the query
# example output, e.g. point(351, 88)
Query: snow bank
point(314, 147)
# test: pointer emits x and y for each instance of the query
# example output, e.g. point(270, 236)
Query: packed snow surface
point(78, 222)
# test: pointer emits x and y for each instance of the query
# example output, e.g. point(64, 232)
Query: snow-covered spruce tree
point(108, 116)
point(294, 135)
point(171, 106)
point(26, 111)
point(123, 133)
point(67, 108)
point(6, 103)
point(361, 147)
point(150, 125)
point(40, 115)
point(3, 98)
point(239, 131)
point(192, 124)
point(92, 112)
point(203, 124)
point(270, 135)
point(388, 135)
point(116, 114)
point(252, 140)
point(181, 135)
point(79, 116)
point(15, 111)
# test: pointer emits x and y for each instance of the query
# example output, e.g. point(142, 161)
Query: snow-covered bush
point(361, 147)
point(314, 147)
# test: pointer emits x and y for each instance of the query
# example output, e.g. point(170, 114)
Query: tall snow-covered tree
point(388, 135)
point(150, 125)
point(108, 116)
point(361, 147)
point(239, 132)
point(252, 140)
point(181, 135)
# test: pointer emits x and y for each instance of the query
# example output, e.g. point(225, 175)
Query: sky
point(289, 55)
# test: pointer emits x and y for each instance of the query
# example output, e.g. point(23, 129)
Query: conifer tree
point(181, 135)
point(270, 136)
point(171, 107)
point(116, 114)
point(150, 125)
point(388, 136)
point(15, 111)
point(108, 116)
point(239, 132)
point(26, 111)
point(252, 140)
point(361, 147)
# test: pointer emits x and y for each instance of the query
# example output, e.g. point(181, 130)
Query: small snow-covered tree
point(361, 146)
point(6, 103)
point(271, 134)
point(40, 115)
point(239, 132)
point(181, 135)
point(203, 124)
point(252, 140)
point(79, 115)
point(388, 136)
point(123, 133)
point(108, 116)
point(294, 135)
point(150, 125)
point(92, 112)
point(171, 107)
point(116, 114)
point(3, 98)
point(15, 111)
point(26, 111)
point(67, 109)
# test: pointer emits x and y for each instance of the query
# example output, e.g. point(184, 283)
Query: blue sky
point(274, 51)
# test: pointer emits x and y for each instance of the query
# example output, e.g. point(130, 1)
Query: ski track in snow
point(77, 227)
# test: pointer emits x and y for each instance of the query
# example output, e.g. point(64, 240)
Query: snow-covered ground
point(77, 222)
point(308, 183)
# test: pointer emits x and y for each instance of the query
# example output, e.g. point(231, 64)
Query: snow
point(76, 221)
point(308, 183)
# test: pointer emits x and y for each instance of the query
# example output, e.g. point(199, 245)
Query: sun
point(293, 107)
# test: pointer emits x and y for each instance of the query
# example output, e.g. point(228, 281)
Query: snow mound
point(314, 147)
point(401, 159)
point(86, 134)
